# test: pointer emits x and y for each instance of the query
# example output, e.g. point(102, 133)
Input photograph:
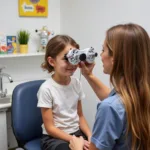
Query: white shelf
point(22, 55)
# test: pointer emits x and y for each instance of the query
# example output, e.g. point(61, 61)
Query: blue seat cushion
point(33, 145)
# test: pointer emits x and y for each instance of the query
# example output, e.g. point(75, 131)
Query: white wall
point(10, 22)
point(26, 68)
point(87, 20)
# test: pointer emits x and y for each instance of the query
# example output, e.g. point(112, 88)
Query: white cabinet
point(3, 129)
point(7, 139)
point(12, 143)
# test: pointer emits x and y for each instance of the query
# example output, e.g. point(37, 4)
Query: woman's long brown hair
point(130, 47)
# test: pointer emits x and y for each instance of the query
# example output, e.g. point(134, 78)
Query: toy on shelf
point(44, 34)
point(3, 46)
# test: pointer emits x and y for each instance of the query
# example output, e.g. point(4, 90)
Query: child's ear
point(51, 61)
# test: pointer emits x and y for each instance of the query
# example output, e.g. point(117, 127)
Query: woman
point(123, 117)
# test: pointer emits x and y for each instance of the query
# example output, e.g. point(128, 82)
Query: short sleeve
point(81, 93)
point(107, 128)
point(44, 98)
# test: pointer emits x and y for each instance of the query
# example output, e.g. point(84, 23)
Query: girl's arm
point(82, 122)
point(50, 128)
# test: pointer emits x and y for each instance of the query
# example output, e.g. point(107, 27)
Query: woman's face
point(107, 60)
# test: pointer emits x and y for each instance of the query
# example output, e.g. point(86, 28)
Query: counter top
point(7, 105)
point(5, 102)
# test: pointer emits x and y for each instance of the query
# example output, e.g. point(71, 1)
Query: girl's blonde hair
point(56, 45)
point(129, 44)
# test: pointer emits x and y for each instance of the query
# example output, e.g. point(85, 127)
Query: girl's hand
point(76, 143)
point(86, 68)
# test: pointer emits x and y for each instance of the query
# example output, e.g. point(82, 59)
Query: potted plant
point(23, 39)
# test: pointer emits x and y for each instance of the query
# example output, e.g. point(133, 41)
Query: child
point(60, 98)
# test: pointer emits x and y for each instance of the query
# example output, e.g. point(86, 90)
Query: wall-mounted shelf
point(22, 55)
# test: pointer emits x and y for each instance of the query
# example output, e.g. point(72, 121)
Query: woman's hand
point(86, 145)
point(86, 68)
point(77, 143)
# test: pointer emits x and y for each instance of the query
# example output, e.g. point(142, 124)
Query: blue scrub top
point(109, 130)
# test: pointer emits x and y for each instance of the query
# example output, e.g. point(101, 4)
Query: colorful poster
point(33, 8)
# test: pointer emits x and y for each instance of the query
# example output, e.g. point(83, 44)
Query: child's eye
point(64, 59)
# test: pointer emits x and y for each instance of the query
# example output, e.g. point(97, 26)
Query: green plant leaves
point(23, 37)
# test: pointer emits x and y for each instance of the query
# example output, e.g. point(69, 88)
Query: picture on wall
point(33, 8)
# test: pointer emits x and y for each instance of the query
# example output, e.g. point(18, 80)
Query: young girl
point(60, 98)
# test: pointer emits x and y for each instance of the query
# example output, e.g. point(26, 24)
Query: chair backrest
point(26, 116)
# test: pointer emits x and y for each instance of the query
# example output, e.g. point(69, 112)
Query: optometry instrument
point(74, 56)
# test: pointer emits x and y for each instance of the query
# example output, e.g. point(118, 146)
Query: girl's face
point(107, 60)
point(61, 66)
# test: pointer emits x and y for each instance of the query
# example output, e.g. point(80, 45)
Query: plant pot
point(23, 49)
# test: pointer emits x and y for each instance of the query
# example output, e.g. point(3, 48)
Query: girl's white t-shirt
point(63, 100)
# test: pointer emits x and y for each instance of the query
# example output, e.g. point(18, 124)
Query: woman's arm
point(93, 147)
point(82, 122)
point(98, 87)
point(50, 128)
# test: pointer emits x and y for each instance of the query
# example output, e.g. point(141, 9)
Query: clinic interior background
point(85, 20)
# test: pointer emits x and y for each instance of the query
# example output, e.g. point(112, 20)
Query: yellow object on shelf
point(23, 49)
